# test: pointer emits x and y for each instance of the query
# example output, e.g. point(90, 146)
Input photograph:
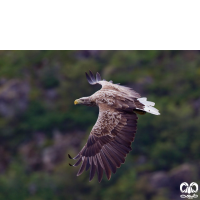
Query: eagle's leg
point(140, 112)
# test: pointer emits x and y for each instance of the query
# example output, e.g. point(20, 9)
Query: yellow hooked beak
point(76, 101)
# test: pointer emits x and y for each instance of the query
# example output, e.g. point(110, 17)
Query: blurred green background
point(39, 125)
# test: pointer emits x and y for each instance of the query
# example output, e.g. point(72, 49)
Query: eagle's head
point(85, 101)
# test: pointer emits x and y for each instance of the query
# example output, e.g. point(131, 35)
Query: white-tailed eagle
point(110, 139)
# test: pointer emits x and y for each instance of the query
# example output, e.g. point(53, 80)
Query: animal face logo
point(189, 189)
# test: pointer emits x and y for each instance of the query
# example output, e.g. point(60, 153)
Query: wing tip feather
point(91, 78)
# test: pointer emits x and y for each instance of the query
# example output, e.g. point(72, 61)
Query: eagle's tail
point(148, 106)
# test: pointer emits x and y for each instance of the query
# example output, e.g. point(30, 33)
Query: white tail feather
point(144, 100)
point(148, 106)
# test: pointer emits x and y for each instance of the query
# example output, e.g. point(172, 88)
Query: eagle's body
point(110, 139)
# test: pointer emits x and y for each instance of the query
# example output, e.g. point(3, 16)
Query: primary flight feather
point(110, 139)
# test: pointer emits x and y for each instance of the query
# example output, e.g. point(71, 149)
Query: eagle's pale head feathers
point(84, 101)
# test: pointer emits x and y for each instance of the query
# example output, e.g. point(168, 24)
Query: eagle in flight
point(110, 139)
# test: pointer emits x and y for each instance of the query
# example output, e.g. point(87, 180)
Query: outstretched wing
point(109, 142)
point(141, 104)
point(111, 86)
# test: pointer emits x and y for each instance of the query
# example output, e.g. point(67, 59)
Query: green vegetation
point(39, 124)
